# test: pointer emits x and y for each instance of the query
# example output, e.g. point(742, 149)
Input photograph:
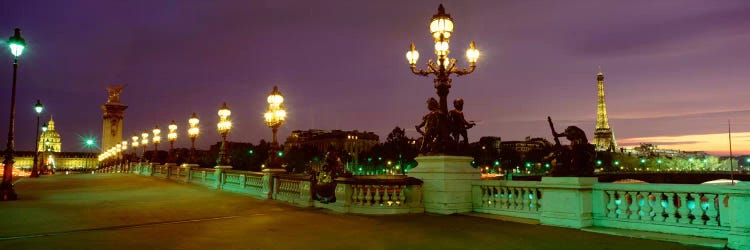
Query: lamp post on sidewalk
point(35, 166)
point(16, 45)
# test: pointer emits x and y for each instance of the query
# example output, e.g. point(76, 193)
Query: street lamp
point(156, 140)
point(274, 118)
point(16, 45)
point(193, 132)
point(34, 168)
point(135, 145)
point(171, 136)
point(144, 143)
point(224, 126)
point(441, 28)
point(125, 162)
point(88, 143)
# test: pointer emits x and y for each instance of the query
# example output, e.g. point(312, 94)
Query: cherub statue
point(460, 125)
point(431, 136)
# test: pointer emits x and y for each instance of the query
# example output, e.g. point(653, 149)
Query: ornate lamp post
point(144, 143)
point(135, 145)
point(35, 168)
point(193, 132)
point(224, 126)
point(274, 118)
point(441, 28)
point(156, 140)
point(123, 153)
point(171, 136)
point(118, 156)
point(16, 45)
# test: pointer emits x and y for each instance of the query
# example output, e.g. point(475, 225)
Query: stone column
point(447, 183)
point(567, 201)
point(738, 236)
point(188, 174)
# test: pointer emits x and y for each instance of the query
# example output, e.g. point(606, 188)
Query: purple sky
point(672, 67)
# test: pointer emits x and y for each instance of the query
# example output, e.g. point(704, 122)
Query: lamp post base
point(7, 193)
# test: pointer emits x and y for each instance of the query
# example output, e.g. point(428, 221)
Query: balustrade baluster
point(683, 210)
point(658, 207)
point(623, 207)
point(368, 196)
point(671, 208)
point(711, 211)
point(518, 199)
point(401, 195)
point(377, 196)
point(526, 199)
point(504, 197)
point(494, 198)
point(611, 206)
point(697, 210)
point(646, 208)
point(634, 206)
point(485, 195)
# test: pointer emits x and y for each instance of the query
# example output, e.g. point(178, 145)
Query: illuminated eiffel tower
point(604, 137)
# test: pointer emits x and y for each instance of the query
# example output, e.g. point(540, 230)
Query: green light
point(38, 107)
point(528, 164)
point(546, 165)
point(617, 163)
point(380, 158)
point(598, 162)
point(16, 43)
point(705, 160)
point(658, 161)
point(251, 151)
point(497, 163)
point(281, 153)
point(89, 142)
point(691, 159)
point(643, 161)
point(747, 160)
point(44, 128)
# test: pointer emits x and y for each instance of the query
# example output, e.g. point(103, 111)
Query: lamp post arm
point(420, 72)
point(461, 72)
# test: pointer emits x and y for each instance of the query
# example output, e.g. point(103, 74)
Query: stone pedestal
point(447, 183)
point(186, 167)
point(219, 173)
point(738, 236)
point(567, 201)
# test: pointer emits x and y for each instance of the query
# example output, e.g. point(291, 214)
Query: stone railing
point(293, 189)
point(698, 210)
point(244, 182)
point(510, 198)
point(373, 195)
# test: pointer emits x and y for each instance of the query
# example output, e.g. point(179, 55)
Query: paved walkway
point(132, 212)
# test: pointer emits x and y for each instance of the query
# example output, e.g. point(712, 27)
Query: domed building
point(50, 140)
point(51, 156)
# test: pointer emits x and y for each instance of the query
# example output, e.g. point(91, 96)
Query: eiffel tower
point(604, 137)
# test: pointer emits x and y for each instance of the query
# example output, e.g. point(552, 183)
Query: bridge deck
point(131, 212)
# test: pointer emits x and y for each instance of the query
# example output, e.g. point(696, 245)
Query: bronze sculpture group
point(442, 132)
point(577, 159)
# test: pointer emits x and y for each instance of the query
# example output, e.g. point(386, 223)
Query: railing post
point(188, 171)
point(220, 175)
point(738, 236)
point(568, 201)
point(269, 185)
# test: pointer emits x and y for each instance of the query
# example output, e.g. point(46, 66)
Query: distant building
point(51, 155)
point(493, 142)
point(50, 140)
point(527, 145)
point(353, 142)
point(651, 150)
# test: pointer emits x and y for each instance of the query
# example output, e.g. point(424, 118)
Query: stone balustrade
point(699, 210)
point(510, 198)
point(373, 195)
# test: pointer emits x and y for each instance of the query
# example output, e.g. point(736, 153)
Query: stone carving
point(325, 180)
point(576, 159)
point(114, 93)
